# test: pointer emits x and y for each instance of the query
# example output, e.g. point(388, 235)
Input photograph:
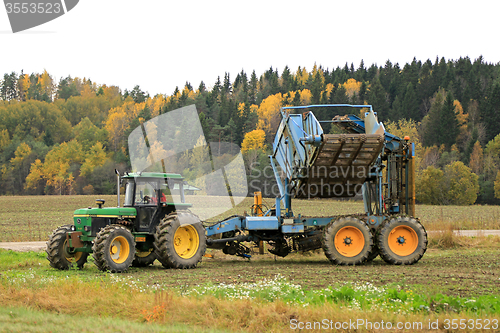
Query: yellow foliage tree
point(497, 186)
point(87, 91)
point(254, 140)
point(119, 119)
point(55, 171)
point(305, 97)
point(46, 83)
point(269, 114)
point(462, 119)
point(329, 89)
point(476, 159)
point(22, 151)
point(351, 87)
point(35, 177)
point(404, 127)
point(288, 98)
point(4, 139)
point(301, 76)
point(94, 158)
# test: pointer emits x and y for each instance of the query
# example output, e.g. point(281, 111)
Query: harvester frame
point(377, 163)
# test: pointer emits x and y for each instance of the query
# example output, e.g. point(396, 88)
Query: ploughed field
point(33, 218)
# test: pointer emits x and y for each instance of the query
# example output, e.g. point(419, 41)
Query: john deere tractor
point(150, 226)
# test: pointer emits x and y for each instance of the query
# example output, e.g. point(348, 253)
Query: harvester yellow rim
point(349, 241)
point(403, 240)
point(119, 249)
point(186, 241)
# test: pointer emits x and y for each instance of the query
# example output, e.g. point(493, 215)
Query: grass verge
point(263, 295)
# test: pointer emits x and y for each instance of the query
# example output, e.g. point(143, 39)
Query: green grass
point(33, 218)
point(27, 320)
point(261, 295)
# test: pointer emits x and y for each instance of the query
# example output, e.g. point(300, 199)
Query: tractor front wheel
point(59, 254)
point(402, 241)
point(114, 249)
point(180, 241)
point(347, 241)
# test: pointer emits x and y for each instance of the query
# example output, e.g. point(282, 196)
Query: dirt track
point(40, 246)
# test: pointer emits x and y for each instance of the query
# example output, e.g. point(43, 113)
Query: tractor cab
point(153, 195)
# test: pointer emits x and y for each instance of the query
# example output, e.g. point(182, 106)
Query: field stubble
point(33, 218)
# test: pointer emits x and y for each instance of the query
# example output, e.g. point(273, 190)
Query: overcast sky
point(159, 44)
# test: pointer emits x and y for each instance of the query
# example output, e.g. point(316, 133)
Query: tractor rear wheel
point(402, 241)
point(347, 241)
point(144, 258)
point(59, 254)
point(114, 249)
point(180, 241)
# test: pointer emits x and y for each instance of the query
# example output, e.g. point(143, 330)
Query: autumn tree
point(497, 186)
point(476, 159)
point(457, 185)
point(404, 127)
point(57, 170)
point(254, 140)
point(461, 184)
point(428, 187)
point(269, 115)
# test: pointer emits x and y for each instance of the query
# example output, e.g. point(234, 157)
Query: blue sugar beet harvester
point(310, 163)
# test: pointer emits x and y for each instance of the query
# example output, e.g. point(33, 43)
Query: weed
point(158, 312)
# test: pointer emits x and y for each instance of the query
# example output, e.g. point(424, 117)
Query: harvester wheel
point(114, 249)
point(144, 258)
point(373, 253)
point(402, 241)
point(59, 254)
point(347, 241)
point(180, 241)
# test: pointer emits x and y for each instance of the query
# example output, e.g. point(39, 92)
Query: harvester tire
point(144, 259)
point(114, 249)
point(347, 241)
point(374, 253)
point(59, 254)
point(402, 241)
point(180, 241)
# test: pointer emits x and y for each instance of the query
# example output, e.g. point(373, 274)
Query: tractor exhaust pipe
point(118, 187)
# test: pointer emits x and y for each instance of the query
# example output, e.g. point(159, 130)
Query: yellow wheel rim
point(403, 240)
point(119, 249)
point(349, 241)
point(71, 257)
point(186, 241)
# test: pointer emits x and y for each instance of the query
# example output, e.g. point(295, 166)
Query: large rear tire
point(114, 249)
point(402, 241)
point(59, 254)
point(347, 241)
point(180, 241)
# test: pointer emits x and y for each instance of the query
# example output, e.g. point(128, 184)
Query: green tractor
point(150, 226)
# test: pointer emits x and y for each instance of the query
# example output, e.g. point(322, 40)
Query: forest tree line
point(67, 137)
